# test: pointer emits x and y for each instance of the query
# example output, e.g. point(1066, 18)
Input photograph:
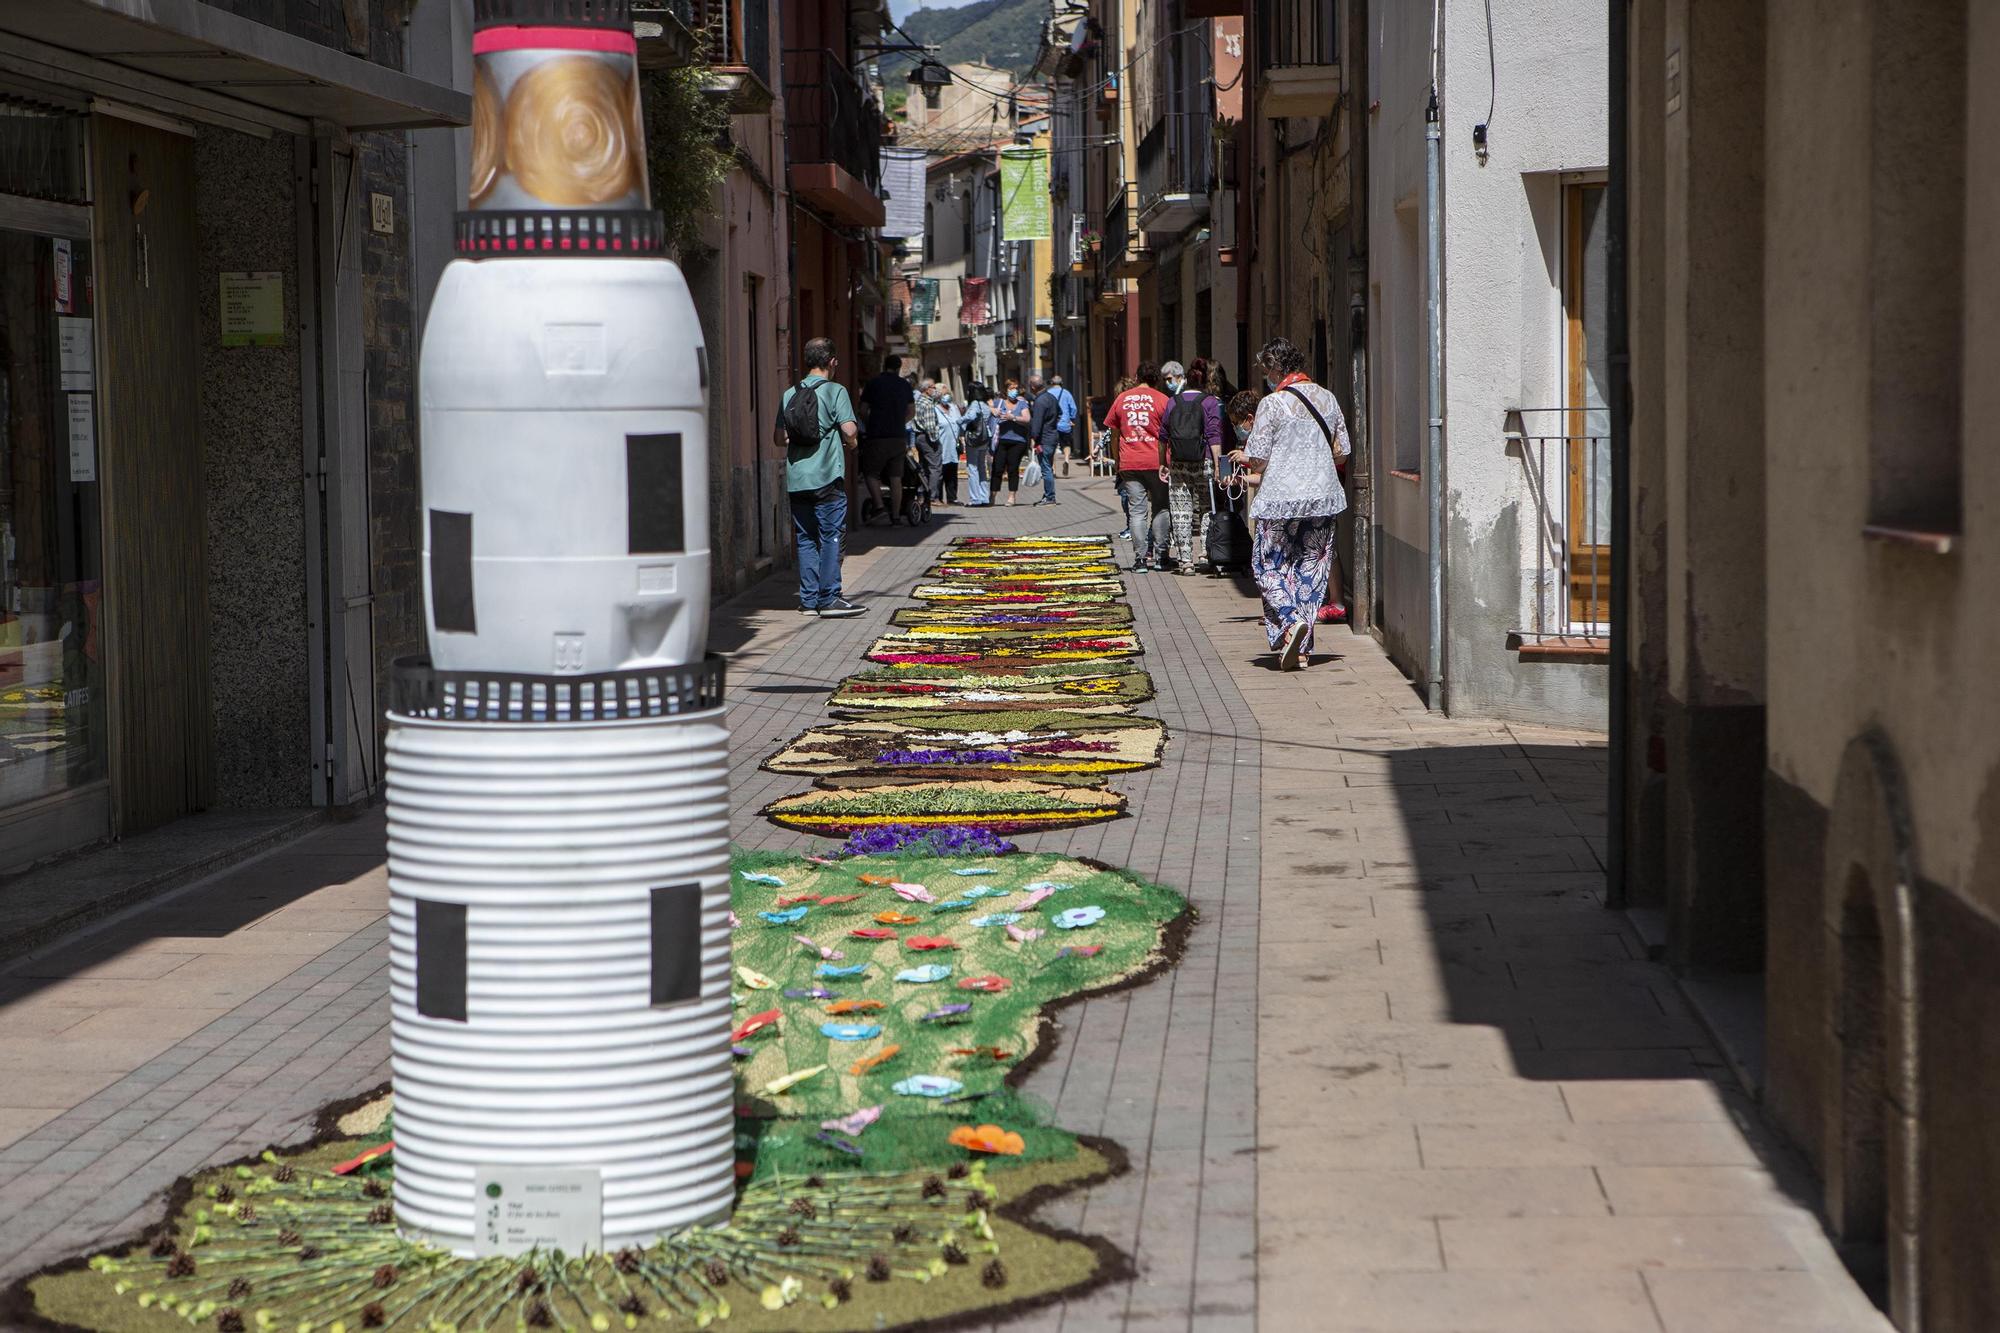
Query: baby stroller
point(920, 478)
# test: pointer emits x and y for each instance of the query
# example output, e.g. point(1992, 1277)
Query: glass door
point(52, 705)
point(1587, 422)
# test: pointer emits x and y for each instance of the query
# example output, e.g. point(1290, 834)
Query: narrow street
point(1408, 1074)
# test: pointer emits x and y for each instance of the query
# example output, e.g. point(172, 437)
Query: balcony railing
point(1566, 456)
point(830, 117)
point(1176, 171)
point(1296, 32)
point(737, 32)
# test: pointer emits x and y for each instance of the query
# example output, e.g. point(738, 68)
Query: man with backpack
point(1192, 434)
point(1044, 428)
point(892, 405)
point(817, 431)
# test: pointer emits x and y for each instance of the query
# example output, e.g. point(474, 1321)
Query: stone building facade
point(1813, 764)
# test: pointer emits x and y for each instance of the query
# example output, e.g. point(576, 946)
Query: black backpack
point(801, 414)
point(1184, 429)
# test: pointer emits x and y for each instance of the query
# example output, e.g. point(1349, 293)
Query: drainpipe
point(1434, 312)
point(1618, 336)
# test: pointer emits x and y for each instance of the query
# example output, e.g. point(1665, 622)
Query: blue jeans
point(1048, 457)
point(819, 519)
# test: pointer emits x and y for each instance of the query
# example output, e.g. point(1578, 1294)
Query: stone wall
point(253, 459)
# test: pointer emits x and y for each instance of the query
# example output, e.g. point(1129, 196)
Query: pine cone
point(224, 1194)
point(933, 1188)
point(540, 1315)
point(840, 1289)
point(904, 1233)
point(288, 1238)
point(285, 1174)
point(385, 1277)
point(716, 1272)
point(526, 1280)
point(626, 1260)
point(959, 1171)
point(994, 1274)
point(239, 1289)
point(373, 1189)
point(953, 1254)
point(164, 1245)
point(974, 1201)
point(789, 1236)
point(382, 1214)
point(229, 1321)
point(246, 1214)
point(373, 1315)
point(181, 1265)
point(814, 1183)
point(878, 1269)
point(310, 1252)
point(633, 1306)
point(804, 1208)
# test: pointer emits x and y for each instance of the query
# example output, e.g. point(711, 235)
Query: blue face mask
point(1175, 386)
point(1242, 431)
point(1013, 394)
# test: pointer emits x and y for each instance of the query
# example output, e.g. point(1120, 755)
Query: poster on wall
point(82, 437)
point(1024, 194)
point(76, 355)
point(253, 309)
point(65, 283)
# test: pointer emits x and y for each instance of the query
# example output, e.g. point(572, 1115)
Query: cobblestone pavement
point(1409, 1075)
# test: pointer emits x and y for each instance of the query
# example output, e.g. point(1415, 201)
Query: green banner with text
point(1024, 194)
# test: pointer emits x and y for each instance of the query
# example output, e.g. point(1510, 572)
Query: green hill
point(1004, 33)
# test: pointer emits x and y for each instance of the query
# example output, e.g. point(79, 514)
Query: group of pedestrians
point(1188, 450)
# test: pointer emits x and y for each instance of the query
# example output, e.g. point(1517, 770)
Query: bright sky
point(901, 9)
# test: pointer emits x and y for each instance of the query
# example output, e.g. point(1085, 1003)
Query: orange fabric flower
point(839, 898)
point(855, 1006)
point(896, 918)
point(876, 879)
point(989, 1138)
point(868, 1062)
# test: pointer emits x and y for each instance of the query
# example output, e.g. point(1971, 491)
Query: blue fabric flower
point(829, 970)
point(790, 916)
point(929, 972)
point(929, 1085)
point(997, 919)
point(850, 1031)
point(1079, 916)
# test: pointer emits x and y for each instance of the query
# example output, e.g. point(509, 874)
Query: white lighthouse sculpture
point(557, 771)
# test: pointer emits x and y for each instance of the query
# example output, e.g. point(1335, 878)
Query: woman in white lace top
point(1293, 448)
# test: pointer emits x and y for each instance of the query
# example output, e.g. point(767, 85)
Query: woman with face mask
point(1013, 415)
point(975, 439)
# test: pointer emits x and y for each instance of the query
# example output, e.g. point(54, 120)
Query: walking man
point(1134, 421)
point(1066, 424)
point(818, 439)
point(891, 404)
point(1044, 428)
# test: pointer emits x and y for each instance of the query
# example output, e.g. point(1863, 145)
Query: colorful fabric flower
point(756, 1023)
point(757, 877)
point(868, 1062)
point(1078, 917)
point(996, 919)
point(790, 1081)
point(989, 1139)
point(897, 918)
point(928, 1085)
point(938, 1015)
point(915, 893)
point(1022, 934)
point(818, 950)
point(808, 993)
point(839, 1007)
point(926, 942)
point(991, 985)
point(789, 916)
point(829, 970)
point(852, 1125)
point(872, 933)
point(850, 1031)
point(754, 980)
point(919, 976)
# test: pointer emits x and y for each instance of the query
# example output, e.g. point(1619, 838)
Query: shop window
point(52, 705)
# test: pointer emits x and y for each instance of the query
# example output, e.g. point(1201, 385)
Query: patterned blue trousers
point(1291, 559)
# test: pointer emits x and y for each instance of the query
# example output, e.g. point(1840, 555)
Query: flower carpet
point(887, 995)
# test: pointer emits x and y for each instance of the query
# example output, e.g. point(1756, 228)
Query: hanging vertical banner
point(1024, 194)
point(973, 306)
point(923, 300)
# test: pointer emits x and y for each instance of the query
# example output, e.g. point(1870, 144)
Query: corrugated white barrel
point(565, 466)
point(559, 964)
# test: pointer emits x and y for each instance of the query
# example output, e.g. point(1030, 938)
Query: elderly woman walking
point(1298, 437)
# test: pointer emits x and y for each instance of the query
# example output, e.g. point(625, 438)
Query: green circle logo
point(493, 1190)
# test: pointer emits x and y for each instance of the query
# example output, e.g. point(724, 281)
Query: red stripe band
point(614, 40)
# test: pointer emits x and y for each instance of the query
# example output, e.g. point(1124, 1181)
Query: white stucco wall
point(1503, 325)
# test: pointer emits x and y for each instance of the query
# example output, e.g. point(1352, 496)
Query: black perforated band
point(575, 233)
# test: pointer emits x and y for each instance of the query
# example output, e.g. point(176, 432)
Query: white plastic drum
point(553, 850)
point(565, 466)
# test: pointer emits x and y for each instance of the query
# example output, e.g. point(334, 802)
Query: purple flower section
point(944, 757)
point(948, 840)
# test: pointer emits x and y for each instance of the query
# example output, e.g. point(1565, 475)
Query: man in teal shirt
point(816, 477)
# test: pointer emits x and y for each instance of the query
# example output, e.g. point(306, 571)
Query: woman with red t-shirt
point(1135, 421)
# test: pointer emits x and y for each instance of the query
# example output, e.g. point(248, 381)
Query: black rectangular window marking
point(654, 520)
point(677, 944)
point(701, 364)
point(451, 571)
point(441, 960)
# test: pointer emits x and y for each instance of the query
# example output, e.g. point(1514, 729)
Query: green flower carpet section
point(887, 998)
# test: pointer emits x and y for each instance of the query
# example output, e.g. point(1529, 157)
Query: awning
point(206, 64)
